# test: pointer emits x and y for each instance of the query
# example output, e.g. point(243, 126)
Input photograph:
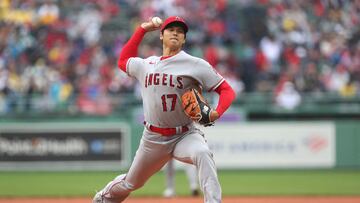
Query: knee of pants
point(201, 153)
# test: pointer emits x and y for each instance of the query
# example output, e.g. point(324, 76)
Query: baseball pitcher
point(171, 103)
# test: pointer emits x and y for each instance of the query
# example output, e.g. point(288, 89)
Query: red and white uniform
point(164, 81)
point(168, 132)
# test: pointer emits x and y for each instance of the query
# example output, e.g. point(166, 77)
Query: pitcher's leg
point(194, 149)
point(149, 159)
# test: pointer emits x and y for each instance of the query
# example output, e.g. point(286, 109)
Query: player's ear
point(161, 36)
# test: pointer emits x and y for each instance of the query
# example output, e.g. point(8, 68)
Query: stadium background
point(295, 66)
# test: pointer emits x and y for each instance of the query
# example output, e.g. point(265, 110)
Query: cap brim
point(175, 23)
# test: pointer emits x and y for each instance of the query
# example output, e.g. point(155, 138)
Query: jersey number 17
point(172, 98)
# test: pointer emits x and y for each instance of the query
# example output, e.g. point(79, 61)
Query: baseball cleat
point(98, 198)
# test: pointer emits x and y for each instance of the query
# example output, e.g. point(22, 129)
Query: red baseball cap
point(174, 19)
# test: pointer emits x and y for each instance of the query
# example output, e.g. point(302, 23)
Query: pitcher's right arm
point(130, 49)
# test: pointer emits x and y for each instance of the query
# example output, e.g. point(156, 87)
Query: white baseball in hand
point(156, 21)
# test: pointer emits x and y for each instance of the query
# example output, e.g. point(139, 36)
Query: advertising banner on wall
point(64, 146)
point(273, 145)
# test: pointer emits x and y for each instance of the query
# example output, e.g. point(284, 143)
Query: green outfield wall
point(348, 144)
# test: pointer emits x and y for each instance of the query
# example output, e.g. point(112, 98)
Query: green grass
point(291, 183)
point(307, 182)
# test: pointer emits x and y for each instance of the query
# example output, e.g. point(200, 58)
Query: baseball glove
point(196, 107)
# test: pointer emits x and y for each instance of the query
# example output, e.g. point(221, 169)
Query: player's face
point(173, 37)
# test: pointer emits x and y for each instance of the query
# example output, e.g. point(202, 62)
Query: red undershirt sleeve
point(130, 49)
point(226, 97)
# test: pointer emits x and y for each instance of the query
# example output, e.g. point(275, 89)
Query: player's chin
point(174, 42)
point(175, 45)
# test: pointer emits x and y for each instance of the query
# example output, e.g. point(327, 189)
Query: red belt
point(166, 131)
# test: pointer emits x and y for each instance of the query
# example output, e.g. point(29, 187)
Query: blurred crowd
point(53, 52)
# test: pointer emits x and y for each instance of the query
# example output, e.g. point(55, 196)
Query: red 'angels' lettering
point(164, 80)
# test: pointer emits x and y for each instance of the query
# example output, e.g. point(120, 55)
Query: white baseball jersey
point(164, 81)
